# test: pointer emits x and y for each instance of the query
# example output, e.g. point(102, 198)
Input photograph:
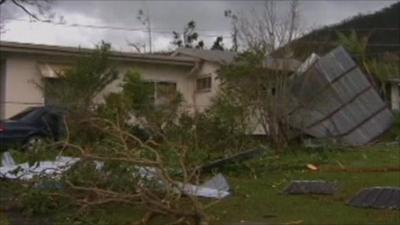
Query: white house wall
point(153, 72)
point(22, 75)
point(21, 79)
point(203, 99)
point(2, 87)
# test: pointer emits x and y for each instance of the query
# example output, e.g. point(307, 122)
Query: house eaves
point(50, 50)
point(216, 56)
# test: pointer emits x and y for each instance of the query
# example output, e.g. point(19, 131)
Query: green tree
point(235, 29)
point(188, 38)
point(137, 102)
point(256, 96)
point(382, 69)
point(218, 45)
point(77, 87)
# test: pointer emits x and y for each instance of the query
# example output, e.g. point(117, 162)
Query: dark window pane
point(203, 83)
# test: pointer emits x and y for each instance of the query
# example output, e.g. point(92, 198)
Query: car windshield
point(24, 115)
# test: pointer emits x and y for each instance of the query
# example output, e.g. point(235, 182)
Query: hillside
point(382, 27)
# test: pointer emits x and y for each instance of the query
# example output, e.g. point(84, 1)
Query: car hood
point(15, 123)
point(7, 121)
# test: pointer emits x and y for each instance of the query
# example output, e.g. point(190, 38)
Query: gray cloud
point(167, 16)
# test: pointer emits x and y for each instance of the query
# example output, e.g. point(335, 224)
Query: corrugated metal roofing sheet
point(335, 99)
point(377, 197)
point(317, 187)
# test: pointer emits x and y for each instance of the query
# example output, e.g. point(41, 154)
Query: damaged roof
point(227, 57)
point(335, 99)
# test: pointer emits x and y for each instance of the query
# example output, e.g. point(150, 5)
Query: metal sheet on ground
point(317, 187)
point(377, 198)
point(218, 182)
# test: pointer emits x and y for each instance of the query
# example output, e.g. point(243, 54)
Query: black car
point(30, 127)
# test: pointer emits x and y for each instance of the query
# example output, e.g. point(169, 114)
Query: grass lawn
point(261, 200)
point(258, 185)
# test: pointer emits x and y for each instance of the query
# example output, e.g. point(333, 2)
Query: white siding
point(21, 90)
point(395, 96)
point(22, 76)
point(204, 99)
point(153, 72)
point(2, 88)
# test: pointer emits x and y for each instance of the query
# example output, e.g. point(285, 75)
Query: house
point(192, 72)
point(395, 94)
point(24, 66)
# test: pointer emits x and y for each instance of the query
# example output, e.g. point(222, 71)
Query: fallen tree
point(135, 172)
point(117, 164)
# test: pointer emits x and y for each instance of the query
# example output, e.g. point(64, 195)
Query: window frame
point(155, 97)
point(206, 84)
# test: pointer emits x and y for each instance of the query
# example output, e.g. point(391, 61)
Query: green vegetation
point(80, 84)
point(261, 199)
point(3, 219)
point(381, 70)
point(134, 129)
point(258, 184)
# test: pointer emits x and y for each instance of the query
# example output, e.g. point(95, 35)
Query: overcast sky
point(166, 16)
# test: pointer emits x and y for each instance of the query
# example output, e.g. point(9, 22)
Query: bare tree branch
point(267, 30)
point(33, 8)
point(21, 6)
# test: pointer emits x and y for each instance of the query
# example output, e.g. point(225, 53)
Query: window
point(163, 91)
point(151, 87)
point(203, 84)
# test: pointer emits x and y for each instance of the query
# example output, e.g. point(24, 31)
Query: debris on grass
point(24, 171)
point(377, 198)
point(216, 187)
point(239, 157)
point(218, 182)
point(312, 167)
point(314, 187)
point(202, 191)
point(7, 159)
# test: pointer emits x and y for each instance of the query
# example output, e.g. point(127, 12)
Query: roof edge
point(17, 47)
